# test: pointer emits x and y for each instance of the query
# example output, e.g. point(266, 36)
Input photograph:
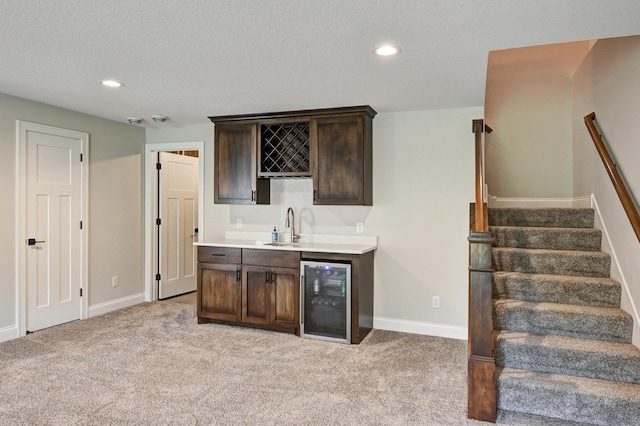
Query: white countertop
point(343, 244)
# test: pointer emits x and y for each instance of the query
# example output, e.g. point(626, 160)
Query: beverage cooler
point(325, 295)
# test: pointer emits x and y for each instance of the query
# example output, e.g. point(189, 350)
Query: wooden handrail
point(481, 220)
point(618, 183)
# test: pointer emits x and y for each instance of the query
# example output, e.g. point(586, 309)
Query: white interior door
point(53, 224)
point(179, 223)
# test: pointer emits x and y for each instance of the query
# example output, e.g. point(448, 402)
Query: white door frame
point(21, 222)
point(150, 290)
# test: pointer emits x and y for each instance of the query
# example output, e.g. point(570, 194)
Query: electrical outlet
point(435, 302)
point(359, 227)
point(115, 281)
point(239, 223)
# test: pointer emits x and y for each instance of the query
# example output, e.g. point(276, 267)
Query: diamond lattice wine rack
point(284, 150)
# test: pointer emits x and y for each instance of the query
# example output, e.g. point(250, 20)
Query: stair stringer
point(627, 302)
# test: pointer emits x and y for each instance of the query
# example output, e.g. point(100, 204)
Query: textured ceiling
point(190, 59)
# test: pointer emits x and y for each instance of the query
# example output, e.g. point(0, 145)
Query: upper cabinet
point(341, 159)
point(235, 179)
point(333, 146)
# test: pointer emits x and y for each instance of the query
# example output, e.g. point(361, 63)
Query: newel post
point(481, 364)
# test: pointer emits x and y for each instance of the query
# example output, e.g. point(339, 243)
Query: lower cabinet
point(270, 296)
point(219, 291)
point(257, 288)
point(261, 288)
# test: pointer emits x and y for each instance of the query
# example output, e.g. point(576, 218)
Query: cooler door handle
point(301, 299)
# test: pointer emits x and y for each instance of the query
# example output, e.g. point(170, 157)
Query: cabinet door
point(235, 171)
point(341, 160)
point(256, 295)
point(219, 289)
point(285, 297)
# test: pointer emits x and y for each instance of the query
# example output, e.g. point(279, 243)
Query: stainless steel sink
point(279, 244)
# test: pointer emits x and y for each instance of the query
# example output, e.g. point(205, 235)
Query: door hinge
point(80, 224)
point(80, 292)
point(158, 166)
point(158, 221)
point(81, 157)
point(158, 277)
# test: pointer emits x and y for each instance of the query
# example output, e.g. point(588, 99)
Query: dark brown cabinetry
point(235, 177)
point(341, 159)
point(257, 288)
point(219, 284)
point(271, 289)
point(333, 146)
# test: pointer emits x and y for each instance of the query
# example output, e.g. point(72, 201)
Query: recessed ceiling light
point(159, 118)
point(387, 50)
point(111, 83)
point(134, 120)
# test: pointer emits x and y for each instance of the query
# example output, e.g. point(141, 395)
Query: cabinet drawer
point(219, 255)
point(271, 258)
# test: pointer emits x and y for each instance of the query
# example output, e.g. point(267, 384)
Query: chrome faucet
point(291, 224)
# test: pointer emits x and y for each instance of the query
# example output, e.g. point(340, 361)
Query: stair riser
point(594, 264)
point(550, 218)
point(569, 404)
point(613, 328)
point(597, 365)
point(549, 288)
point(545, 238)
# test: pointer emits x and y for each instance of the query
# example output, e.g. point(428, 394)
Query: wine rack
point(284, 150)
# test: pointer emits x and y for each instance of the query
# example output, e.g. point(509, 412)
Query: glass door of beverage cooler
point(325, 301)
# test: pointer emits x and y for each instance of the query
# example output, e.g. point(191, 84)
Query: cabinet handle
point(253, 196)
point(273, 277)
point(238, 276)
point(266, 277)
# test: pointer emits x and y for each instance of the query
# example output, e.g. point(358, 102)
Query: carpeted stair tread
point(567, 355)
point(548, 217)
point(585, 239)
point(505, 417)
point(579, 399)
point(576, 290)
point(587, 322)
point(561, 262)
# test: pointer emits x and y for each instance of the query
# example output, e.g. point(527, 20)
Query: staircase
point(562, 343)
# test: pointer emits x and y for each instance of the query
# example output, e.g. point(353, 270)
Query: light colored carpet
point(153, 364)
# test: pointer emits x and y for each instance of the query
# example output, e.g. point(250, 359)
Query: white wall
point(607, 84)
point(115, 204)
point(423, 182)
point(528, 104)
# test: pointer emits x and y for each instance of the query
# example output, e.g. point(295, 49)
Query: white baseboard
point(574, 202)
point(114, 305)
point(8, 333)
point(416, 327)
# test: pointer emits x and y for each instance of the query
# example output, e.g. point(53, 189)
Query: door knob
point(33, 242)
